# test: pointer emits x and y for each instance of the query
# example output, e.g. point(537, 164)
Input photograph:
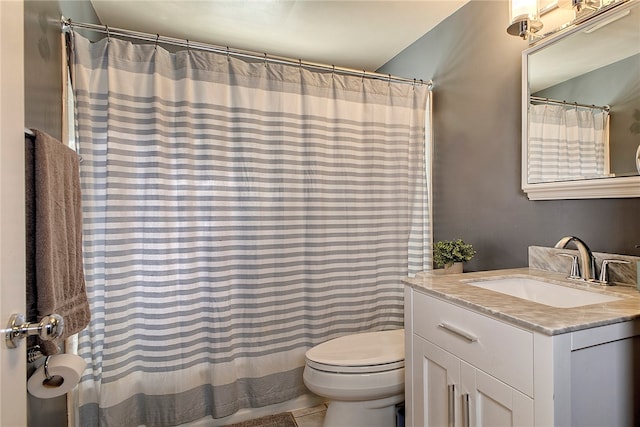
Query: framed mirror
point(581, 109)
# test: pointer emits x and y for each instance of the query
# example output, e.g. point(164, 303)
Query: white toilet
point(362, 375)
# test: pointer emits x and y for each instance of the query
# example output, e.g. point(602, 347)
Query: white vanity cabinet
point(451, 392)
point(468, 369)
point(464, 368)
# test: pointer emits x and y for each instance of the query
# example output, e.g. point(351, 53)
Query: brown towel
point(55, 274)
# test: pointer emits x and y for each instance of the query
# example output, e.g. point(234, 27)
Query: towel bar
point(49, 328)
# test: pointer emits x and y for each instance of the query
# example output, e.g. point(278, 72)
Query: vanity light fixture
point(585, 6)
point(524, 18)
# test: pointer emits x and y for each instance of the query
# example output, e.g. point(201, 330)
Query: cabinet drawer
point(497, 348)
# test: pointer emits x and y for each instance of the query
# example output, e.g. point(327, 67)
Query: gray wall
point(43, 110)
point(476, 70)
point(42, 59)
point(43, 67)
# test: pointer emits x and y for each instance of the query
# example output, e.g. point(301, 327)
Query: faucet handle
point(575, 269)
point(604, 278)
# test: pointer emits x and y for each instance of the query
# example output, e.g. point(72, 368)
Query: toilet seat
point(367, 369)
point(367, 352)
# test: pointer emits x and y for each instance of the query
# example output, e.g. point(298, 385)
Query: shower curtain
point(236, 213)
point(567, 143)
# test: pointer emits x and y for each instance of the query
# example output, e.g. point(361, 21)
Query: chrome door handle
point(465, 410)
point(49, 328)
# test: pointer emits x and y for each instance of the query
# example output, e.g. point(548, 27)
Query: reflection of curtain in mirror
point(567, 143)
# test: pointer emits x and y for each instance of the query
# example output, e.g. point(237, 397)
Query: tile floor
point(310, 417)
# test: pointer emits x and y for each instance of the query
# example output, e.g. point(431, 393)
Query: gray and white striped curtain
point(236, 213)
point(567, 143)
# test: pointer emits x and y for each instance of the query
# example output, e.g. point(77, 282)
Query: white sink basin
point(543, 292)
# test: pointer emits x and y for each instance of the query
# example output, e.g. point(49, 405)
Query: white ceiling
point(358, 34)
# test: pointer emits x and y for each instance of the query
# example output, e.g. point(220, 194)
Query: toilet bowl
point(362, 376)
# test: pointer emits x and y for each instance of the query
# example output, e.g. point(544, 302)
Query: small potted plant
point(450, 254)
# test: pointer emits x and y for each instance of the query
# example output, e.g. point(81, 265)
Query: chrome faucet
point(587, 260)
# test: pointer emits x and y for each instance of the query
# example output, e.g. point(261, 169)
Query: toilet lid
point(381, 350)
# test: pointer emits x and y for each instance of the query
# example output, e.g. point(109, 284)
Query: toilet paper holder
point(49, 328)
point(51, 380)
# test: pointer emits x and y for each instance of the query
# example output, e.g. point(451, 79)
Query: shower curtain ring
point(108, 34)
point(156, 44)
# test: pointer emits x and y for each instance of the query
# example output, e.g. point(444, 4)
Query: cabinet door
point(488, 402)
point(436, 379)
point(606, 394)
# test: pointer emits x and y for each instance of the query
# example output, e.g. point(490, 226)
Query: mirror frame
point(597, 188)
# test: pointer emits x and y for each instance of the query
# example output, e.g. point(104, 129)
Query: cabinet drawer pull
point(452, 405)
point(466, 422)
point(466, 335)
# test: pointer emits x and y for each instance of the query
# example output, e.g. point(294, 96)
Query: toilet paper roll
point(64, 370)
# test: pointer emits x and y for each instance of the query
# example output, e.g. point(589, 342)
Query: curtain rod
point(605, 108)
point(68, 25)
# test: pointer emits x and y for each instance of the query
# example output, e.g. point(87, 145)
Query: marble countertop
point(527, 314)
